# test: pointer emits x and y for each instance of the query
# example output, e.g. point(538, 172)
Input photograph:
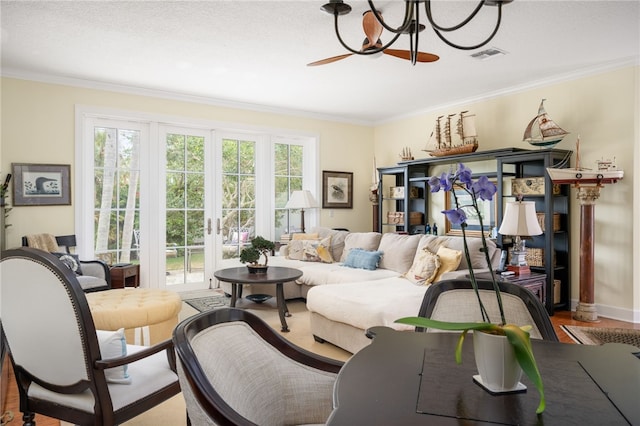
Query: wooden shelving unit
point(510, 163)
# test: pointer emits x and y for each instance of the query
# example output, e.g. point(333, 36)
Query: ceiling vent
point(490, 53)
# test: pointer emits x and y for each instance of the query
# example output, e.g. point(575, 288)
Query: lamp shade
point(301, 200)
point(520, 219)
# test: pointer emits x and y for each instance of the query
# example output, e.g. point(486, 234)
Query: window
point(116, 193)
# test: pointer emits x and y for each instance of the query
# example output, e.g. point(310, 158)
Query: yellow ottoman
point(132, 309)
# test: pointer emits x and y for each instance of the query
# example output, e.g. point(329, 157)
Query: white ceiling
point(255, 52)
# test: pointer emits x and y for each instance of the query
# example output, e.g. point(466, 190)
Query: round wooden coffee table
point(277, 275)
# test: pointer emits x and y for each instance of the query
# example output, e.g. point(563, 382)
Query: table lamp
point(519, 221)
point(301, 200)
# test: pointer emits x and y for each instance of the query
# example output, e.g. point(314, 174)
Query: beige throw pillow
point(364, 240)
point(424, 269)
point(399, 250)
point(449, 261)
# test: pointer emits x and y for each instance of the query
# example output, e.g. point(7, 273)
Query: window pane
point(175, 190)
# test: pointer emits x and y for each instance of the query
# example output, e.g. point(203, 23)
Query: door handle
point(209, 226)
point(218, 230)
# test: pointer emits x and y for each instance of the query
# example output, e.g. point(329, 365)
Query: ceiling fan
point(373, 30)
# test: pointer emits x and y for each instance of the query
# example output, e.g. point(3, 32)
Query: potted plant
point(509, 334)
point(251, 255)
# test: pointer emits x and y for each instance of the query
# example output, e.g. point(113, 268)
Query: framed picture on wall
point(487, 210)
point(337, 190)
point(41, 184)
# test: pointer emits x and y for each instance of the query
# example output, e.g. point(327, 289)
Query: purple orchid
point(456, 216)
point(484, 188)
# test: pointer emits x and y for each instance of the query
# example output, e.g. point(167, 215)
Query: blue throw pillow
point(363, 259)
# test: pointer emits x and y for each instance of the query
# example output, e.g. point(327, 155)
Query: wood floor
point(558, 319)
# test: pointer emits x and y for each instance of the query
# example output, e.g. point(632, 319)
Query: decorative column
point(373, 197)
point(586, 309)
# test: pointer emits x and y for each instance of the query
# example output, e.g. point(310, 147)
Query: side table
point(277, 275)
point(534, 282)
point(125, 275)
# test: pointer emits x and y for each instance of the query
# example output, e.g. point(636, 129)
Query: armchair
point(95, 275)
point(64, 368)
point(234, 369)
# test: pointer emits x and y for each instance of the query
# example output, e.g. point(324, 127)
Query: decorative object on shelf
point(301, 200)
point(531, 186)
point(41, 184)
point(411, 25)
point(543, 131)
point(518, 338)
point(337, 190)
point(520, 220)
point(406, 154)
point(441, 142)
point(251, 255)
point(397, 192)
point(607, 172)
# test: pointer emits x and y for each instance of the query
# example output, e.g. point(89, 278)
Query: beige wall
point(603, 110)
point(38, 126)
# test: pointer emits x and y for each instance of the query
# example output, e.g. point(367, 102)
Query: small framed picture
point(41, 184)
point(337, 190)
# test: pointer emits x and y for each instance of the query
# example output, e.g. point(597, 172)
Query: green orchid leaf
point(449, 326)
point(521, 343)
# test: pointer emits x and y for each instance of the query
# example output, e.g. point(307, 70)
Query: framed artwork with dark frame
point(337, 190)
point(41, 184)
point(487, 210)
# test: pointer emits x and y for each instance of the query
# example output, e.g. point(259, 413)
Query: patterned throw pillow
point(317, 250)
point(424, 269)
point(71, 261)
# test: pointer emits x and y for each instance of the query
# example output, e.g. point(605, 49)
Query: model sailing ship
point(542, 131)
point(607, 172)
point(441, 143)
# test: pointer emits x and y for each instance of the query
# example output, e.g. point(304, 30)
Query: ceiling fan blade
point(405, 54)
point(372, 29)
point(329, 60)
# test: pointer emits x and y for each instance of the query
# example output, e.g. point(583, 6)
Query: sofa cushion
point(424, 268)
point(434, 242)
point(449, 261)
point(363, 259)
point(317, 250)
point(363, 240)
point(399, 251)
point(368, 303)
point(337, 240)
point(315, 273)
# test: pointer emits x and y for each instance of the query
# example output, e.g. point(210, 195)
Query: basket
point(535, 257)
point(556, 221)
point(556, 291)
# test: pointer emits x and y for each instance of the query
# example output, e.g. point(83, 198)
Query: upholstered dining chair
point(93, 275)
point(455, 300)
point(236, 370)
point(64, 367)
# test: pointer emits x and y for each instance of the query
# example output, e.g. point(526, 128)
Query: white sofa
point(344, 301)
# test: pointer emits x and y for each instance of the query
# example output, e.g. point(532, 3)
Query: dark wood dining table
point(410, 378)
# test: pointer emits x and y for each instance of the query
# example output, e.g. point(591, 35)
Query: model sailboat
point(607, 172)
point(542, 131)
point(442, 143)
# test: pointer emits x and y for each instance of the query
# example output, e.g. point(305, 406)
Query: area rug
point(207, 303)
point(599, 336)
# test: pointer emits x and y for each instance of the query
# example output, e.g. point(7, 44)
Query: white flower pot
point(497, 364)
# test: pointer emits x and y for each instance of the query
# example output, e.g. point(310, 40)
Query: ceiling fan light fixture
point(411, 25)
